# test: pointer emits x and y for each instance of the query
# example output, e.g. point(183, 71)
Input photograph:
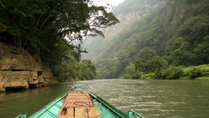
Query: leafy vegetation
point(54, 30)
point(88, 70)
point(172, 72)
point(150, 62)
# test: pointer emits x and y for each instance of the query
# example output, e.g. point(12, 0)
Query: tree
point(130, 70)
point(88, 70)
point(51, 28)
point(150, 62)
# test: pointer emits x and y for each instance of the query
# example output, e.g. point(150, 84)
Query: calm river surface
point(150, 98)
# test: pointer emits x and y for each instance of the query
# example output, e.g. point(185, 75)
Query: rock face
point(18, 69)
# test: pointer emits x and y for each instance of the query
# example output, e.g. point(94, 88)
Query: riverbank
point(150, 78)
point(200, 72)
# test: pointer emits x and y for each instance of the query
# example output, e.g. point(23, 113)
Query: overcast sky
point(112, 2)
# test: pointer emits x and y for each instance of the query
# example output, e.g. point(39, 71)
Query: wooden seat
point(78, 105)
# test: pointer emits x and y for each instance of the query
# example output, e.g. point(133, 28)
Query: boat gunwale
point(106, 104)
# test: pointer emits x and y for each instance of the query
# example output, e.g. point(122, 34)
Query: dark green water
point(152, 99)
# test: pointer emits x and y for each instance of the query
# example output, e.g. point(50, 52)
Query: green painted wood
point(104, 112)
point(107, 108)
point(133, 114)
point(21, 116)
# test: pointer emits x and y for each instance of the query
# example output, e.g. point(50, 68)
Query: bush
point(158, 76)
point(137, 75)
point(149, 76)
point(194, 73)
point(172, 72)
point(127, 76)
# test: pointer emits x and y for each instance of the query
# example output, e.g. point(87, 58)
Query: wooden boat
point(80, 105)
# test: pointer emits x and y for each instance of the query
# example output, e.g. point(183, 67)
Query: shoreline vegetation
point(200, 72)
point(152, 66)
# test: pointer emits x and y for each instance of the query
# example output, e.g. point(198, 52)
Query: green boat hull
point(104, 109)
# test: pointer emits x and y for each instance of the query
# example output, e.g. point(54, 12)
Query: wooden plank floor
point(78, 105)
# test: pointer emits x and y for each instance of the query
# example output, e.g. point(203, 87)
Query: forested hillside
point(127, 12)
point(178, 31)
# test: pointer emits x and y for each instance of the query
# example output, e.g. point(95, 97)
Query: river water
point(150, 98)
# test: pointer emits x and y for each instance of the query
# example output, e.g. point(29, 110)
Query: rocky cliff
point(18, 69)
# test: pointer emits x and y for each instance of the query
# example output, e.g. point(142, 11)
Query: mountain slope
point(134, 10)
point(177, 30)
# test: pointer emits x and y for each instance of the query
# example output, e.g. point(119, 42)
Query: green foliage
point(52, 29)
point(67, 70)
point(111, 56)
point(171, 72)
point(178, 42)
point(177, 30)
point(130, 71)
point(88, 70)
point(70, 69)
point(150, 62)
point(150, 76)
point(191, 72)
point(137, 75)
point(191, 48)
point(195, 73)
